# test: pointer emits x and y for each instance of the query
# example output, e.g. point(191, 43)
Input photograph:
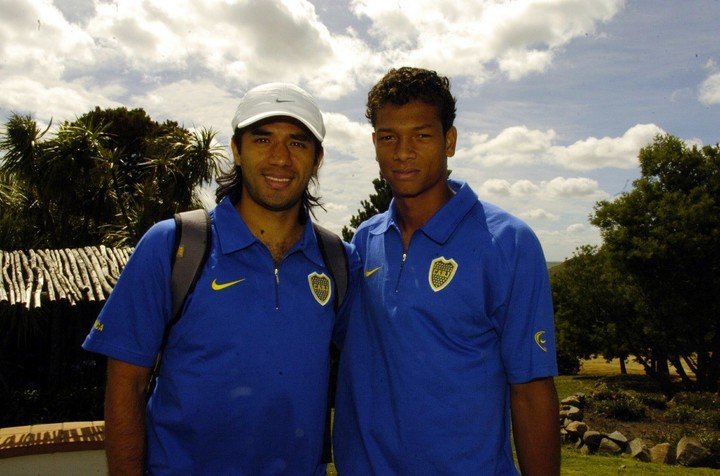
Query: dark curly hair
point(230, 182)
point(403, 85)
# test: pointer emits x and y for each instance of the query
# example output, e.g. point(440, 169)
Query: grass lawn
point(574, 463)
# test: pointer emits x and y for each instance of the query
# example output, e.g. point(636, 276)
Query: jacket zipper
point(402, 265)
point(277, 288)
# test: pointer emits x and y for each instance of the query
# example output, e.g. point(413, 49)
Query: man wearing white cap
point(243, 384)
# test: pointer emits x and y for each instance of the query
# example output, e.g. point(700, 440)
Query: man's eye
point(261, 140)
point(386, 138)
point(299, 144)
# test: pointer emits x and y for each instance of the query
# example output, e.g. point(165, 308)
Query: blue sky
point(555, 97)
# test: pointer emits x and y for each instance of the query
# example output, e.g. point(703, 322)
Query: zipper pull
point(277, 276)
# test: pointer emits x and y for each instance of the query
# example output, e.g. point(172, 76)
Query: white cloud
point(538, 214)
point(512, 146)
point(572, 187)
point(495, 187)
point(348, 137)
point(558, 244)
point(470, 36)
point(709, 93)
point(519, 145)
point(53, 100)
point(37, 41)
point(524, 187)
point(348, 169)
point(191, 103)
point(594, 153)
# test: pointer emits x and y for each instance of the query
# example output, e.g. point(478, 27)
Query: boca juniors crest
point(320, 287)
point(442, 271)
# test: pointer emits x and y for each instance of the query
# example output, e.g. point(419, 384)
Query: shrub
point(653, 400)
point(614, 403)
point(681, 413)
point(696, 407)
point(698, 400)
point(624, 408)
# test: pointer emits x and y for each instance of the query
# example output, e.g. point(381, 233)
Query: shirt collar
point(441, 225)
point(233, 234)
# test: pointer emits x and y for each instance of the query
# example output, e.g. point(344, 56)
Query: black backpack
point(192, 245)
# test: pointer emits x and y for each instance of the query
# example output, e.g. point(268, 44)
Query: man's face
point(412, 149)
point(278, 159)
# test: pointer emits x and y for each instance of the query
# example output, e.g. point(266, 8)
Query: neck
point(414, 212)
point(277, 230)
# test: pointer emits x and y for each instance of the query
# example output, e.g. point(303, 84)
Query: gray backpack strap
point(192, 245)
point(192, 236)
point(336, 261)
point(335, 258)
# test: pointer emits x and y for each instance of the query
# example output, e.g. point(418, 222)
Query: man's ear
point(450, 141)
point(235, 152)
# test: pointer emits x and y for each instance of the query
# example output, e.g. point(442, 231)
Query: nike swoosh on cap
point(220, 286)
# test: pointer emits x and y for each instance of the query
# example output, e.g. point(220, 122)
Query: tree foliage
point(378, 202)
point(102, 178)
point(594, 306)
point(660, 254)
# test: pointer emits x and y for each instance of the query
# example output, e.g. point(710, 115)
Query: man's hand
point(536, 427)
point(125, 417)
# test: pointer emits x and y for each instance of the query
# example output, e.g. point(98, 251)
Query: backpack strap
point(192, 237)
point(336, 261)
point(192, 245)
point(335, 258)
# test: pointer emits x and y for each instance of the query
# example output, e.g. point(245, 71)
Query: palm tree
point(102, 178)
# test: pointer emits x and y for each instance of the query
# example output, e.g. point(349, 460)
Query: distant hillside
point(552, 264)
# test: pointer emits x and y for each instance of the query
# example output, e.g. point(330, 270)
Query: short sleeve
point(130, 326)
point(528, 337)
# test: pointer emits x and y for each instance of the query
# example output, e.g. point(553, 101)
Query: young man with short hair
point(457, 336)
point(242, 388)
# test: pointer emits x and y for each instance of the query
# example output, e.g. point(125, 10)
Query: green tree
point(102, 178)
point(594, 307)
point(378, 202)
point(664, 235)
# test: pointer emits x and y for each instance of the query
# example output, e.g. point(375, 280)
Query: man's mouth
point(276, 182)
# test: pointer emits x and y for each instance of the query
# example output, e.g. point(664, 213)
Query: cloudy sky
point(555, 97)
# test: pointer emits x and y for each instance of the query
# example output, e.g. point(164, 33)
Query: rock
point(571, 413)
point(592, 438)
point(572, 401)
point(608, 446)
point(576, 429)
point(639, 450)
point(690, 452)
point(619, 438)
point(662, 453)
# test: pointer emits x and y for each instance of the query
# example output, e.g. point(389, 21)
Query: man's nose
point(404, 149)
point(280, 153)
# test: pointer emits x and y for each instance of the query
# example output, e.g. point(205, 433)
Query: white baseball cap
point(279, 99)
